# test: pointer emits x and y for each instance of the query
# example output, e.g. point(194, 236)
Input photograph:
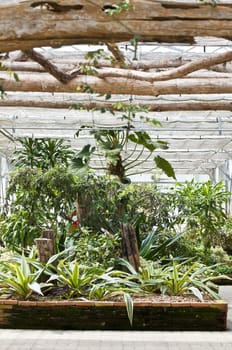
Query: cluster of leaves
point(201, 208)
point(94, 249)
point(114, 144)
point(36, 199)
point(105, 203)
point(40, 192)
point(42, 153)
point(19, 277)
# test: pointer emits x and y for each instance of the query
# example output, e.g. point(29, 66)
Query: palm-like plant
point(43, 153)
point(114, 143)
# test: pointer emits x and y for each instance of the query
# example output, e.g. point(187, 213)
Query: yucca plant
point(19, 278)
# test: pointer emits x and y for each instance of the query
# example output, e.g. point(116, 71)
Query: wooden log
point(45, 248)
point(130, 249)
point(43, 82)
point(154, 106)
point(64, 22)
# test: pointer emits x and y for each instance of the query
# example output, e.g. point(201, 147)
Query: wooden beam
point(64, 22)
point(156, 106)
point(159, 62)
point(43, 82)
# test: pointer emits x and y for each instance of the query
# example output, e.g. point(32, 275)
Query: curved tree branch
point(201, 63)
point(50, 67)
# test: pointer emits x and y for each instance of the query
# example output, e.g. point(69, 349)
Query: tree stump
point(46, 246)
point(130, 250)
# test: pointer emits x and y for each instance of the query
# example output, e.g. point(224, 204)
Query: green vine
point(116, 9)
point(213, 3)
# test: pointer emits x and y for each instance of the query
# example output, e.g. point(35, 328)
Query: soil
point(141, 298)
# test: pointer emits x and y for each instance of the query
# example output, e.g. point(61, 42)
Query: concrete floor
point(109, 340)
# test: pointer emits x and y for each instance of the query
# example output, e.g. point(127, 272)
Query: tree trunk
point(28, 24)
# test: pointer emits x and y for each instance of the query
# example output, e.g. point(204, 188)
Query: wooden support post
point(130, 249)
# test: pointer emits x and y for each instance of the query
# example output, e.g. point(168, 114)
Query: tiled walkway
point(108, 340)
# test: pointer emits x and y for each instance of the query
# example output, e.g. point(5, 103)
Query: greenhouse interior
point(116, 162)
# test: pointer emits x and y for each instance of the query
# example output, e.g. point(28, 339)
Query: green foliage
point(98, 205)
point(224, 269)
point(42, 153)
point(165, 166)
point(178, 278)
point(213, 3)
point(20, 279)
point(201, 207)
point(106, 203)
point(41, 191)
point(226, 235)
point(2, 93)
point(36, 200)
point(78, 278)
point(17, 229)
point(93, 58)
point(129, 307)
point(94, 249)
point(215, 255)
point(113, 144)
point(152, 247)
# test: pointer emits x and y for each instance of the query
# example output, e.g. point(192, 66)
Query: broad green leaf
point(35, 287)
point(75, 273)
point(25, 267)
point(165, 166)
point(129, 307)
point(142, 138)
point(197, 293)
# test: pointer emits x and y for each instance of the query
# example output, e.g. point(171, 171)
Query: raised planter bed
point(99, 315)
